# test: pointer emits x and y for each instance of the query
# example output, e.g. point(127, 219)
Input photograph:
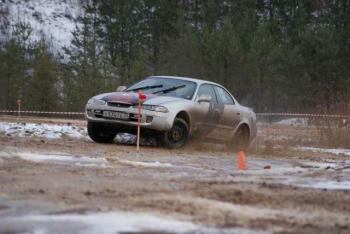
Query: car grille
point(119, 104)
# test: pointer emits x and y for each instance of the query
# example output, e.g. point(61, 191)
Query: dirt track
point(199, 185)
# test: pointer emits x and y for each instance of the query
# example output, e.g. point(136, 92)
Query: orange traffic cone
point(241, 163)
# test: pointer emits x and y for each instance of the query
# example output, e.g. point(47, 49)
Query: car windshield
point(165, 87)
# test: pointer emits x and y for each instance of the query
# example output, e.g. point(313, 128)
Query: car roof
point(198, 81)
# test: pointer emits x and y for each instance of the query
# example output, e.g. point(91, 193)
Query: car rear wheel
point(240, 140)
point(177, 136)
point(100, 133)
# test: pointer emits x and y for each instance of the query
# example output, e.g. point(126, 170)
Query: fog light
point(89, 112)
point(149, 119)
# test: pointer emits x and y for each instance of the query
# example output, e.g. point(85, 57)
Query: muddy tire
point(177, 136)
point(100, 133)
point(241, 139)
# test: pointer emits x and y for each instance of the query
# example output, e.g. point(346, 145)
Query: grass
point(322, 133)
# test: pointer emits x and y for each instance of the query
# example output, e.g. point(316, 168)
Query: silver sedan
point(174, 109)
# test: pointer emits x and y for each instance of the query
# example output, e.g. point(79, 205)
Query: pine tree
point(87, 72)
point(43, 92)
point(16, 56)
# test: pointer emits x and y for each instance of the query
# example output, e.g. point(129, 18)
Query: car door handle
point(217, 111)
point(238, 113)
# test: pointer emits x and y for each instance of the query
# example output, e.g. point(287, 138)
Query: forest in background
point(273, 55)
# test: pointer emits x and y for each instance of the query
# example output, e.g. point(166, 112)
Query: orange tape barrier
point(303, 115)
point(258, 114)
point(43, 112)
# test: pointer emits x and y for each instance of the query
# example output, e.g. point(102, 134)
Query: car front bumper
point(149, 119)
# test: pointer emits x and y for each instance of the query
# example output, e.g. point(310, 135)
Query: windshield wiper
point(170, 89)
point(146, 87)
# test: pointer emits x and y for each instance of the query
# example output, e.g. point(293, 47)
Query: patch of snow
point(56, 131)
point(52, 131)
point(126, 138)
point(277, 137)
point(56, 158)
point(113, 222)
point(145, 164)
point(130, 139)
point(295, 173)
point(345, 152)
point(298, 122)
point(327, 184)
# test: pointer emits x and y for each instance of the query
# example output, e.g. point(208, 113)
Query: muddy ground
point(67, 184)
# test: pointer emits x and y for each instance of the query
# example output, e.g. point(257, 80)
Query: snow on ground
point(145, 163)
point(114, 222)
point(51, 131)
point(56, 158)
point(326, 184)
point(297, 122)
point(52, 19)
point(108, 223)
point(298, 174)
point(72, 160)
point(345, 152)
point(56, 131)
point(130, 139)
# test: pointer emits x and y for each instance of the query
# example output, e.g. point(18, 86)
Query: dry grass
point(334, 135)
point(276, 139)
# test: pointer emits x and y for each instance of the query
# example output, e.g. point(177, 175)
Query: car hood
point(132, 98)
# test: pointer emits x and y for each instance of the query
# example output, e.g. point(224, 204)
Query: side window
point(207, 89)
point(223, 96)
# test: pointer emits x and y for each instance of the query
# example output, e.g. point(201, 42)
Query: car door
point(208, 114)
point(231, 115)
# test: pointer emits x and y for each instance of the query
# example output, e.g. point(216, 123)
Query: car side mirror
point(121, 88)
point(204, 98)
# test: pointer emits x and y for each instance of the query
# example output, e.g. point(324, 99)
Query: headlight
point(161, 109)
point(155, 108)
point(99, 102)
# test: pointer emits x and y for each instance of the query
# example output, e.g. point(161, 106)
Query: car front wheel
point(177, 136)
point(240, 140)
point(100, 133)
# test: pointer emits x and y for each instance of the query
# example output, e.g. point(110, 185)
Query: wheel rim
point(177, 133)
point(105, 133)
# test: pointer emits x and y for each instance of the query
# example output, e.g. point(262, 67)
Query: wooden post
point(138, 125)
point(141, 98)
point(19, 107)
